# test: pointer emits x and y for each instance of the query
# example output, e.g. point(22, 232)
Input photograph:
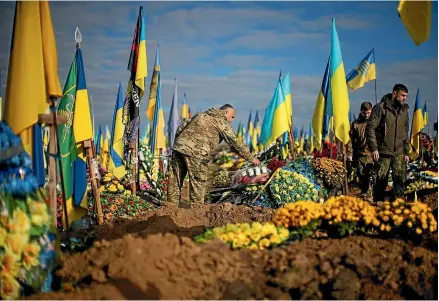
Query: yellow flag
point(33, 68)
point(416, 16)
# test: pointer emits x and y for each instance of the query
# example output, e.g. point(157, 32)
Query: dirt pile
point(183, 222)
point(171, 267)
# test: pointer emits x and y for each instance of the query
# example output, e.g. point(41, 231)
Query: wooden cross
point(88, 145)
point(52, 120)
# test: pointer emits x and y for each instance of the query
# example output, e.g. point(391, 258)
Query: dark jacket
point(357, 146)
point(387, 129)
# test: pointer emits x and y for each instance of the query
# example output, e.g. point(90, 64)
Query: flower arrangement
point(419, 185)
point(287, 187)
point(275, 163)
point(110, 184)
point(222, 179)
point(345, 215)
point(331, 172)
point(115, 206)
point(408, 217)
point(146, 164)
point(27, 229)
point(252, 236)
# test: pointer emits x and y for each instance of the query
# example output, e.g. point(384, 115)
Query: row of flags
point(33, 74)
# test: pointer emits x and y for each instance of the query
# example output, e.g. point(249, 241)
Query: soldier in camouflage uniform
point(358, 151)
point(195, 139)
point(388, 139)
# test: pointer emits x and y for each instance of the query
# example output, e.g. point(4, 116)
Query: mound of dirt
point(182, 222)
point(171, 267)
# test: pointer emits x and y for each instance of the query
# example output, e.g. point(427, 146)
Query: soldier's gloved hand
point(256, 162)
point(375, 156)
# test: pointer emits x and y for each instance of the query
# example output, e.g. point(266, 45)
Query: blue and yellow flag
point(320, 124)
point(338, 90)
point(364, 72)
point(184, 109)
point(146, 135)
point(173, 121)
point(417, 126)
point(137, 65)
point(286, 89)
point(158, 140)
point(276, 117)
point(98, 138)
point(153, 86)
point(310, 137)
point(74, 105)
point(416, 17)
point(249, 134)
point(32, 77)
point(425, 114)
point(116, 163)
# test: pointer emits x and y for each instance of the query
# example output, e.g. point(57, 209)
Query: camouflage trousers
point(382, 168)
point(364, 166)
point(181, 165)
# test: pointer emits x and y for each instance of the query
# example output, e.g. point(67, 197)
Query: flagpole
point(376, 96)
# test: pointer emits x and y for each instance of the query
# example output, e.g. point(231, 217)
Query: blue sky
point(231, 52)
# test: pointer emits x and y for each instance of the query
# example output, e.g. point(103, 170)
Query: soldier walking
point(358, 150)
point(388, 139)
point(195, 139)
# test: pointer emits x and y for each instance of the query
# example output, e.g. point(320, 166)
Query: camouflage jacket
point(357, 146)
point(388, 127)
point(202, 134)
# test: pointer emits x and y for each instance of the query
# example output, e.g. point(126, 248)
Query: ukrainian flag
point(75, 106)
point(158, 126)
point(417, 126)
point(425, 114)
point(319, 122)
point(82, 129)
point(116, 165)
point(338, 90)
point(276, 117)
point(147, 134)
point(106, 148)
point(154, 86)
point(249, 133)
point(286, 89)
point(98, 139)
point(416, 16)
point(32, 77)
point(184, 109)
point(310, 137)
point(364, 72)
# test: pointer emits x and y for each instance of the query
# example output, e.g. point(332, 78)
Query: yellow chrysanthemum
point(9, 287)
point(32, 249)
point(15, 243)
point(9, 264)
point(3, 234)
point(19, 223)
point(29, 262)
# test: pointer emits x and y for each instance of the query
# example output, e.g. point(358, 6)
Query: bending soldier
point(388, 139)
point(195, 139)
point(358, 150)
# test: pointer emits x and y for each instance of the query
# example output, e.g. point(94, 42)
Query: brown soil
point(182, 222)
point(171, 267)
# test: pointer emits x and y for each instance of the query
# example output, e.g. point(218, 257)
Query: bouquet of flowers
point(252, 236)
point(27, 228)
point(287, 187)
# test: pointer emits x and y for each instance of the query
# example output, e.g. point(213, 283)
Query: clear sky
point(231, 52)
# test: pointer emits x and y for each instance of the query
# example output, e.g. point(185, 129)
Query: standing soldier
point(388, 139)
point(358, 151)
point(195, 139)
